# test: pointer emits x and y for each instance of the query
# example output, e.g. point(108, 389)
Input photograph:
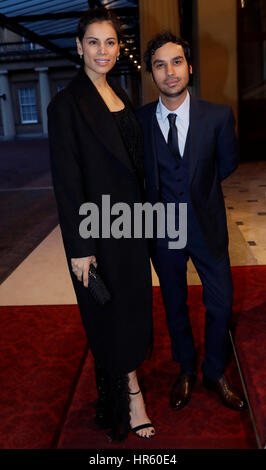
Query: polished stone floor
point(245, 193)
point(33, 267)
point(27, 204)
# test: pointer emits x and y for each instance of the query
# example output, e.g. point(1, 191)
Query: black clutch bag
point(97, 288)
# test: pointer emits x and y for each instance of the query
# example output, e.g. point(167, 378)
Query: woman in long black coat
point(95, 150)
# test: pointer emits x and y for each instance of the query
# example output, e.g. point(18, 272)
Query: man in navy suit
point(190, 147)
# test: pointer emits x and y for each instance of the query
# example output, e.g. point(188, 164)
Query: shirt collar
point(182, 111)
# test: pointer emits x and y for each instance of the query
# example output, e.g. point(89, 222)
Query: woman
point(95, 150)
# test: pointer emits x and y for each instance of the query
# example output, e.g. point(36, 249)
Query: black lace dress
point(132, 137)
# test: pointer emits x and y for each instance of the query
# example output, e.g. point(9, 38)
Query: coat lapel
point(153, 153)
point(196, 124)
point(99, 118)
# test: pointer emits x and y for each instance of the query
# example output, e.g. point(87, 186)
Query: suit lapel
point(99, 118)
point(196, 124)
point(154, 160)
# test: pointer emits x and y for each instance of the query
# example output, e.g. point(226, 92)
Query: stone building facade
point(30, 76)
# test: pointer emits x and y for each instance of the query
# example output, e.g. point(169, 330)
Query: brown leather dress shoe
point(181, 391)
point(222, 387)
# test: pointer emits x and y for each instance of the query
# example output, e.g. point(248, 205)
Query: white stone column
point(45, 95)
point(7, 107)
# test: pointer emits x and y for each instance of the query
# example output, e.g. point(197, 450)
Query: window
point(27, 104)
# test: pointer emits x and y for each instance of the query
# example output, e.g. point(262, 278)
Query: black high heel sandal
point(142, 426)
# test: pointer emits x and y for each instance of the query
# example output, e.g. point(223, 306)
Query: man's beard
point(171, 95)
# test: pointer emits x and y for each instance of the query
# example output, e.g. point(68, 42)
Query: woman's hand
point(81, 267)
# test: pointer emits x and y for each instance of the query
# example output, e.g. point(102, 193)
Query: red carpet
point(204, 423)
point(42, 350)
point(251, 351)
point(43, 405)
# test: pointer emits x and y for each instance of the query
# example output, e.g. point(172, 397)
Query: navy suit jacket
point(212, 157)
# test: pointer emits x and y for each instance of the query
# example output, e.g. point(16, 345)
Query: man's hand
point(81, 267)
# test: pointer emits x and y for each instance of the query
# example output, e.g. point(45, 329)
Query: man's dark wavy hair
point(98, 15)
point(160, 40)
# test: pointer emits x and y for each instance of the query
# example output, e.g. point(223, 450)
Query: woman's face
point(99, 48)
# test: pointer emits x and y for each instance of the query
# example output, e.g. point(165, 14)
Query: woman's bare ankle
point(133, 384)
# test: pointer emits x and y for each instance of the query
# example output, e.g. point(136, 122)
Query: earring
point(117, 57)
point(81, 56)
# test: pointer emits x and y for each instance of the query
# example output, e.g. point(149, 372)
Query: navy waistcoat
point(174, 179)
point(173, 172)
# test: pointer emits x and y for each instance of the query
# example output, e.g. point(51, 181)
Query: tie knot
point(172, 118)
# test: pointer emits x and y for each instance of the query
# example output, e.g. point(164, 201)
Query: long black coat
point(88, 160)
point(212, 157)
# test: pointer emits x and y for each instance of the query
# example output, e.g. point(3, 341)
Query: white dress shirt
point(182, 121)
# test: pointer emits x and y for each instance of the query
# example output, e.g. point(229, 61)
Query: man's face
point(170, 70)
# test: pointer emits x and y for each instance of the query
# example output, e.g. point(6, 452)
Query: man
point(190, 147)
